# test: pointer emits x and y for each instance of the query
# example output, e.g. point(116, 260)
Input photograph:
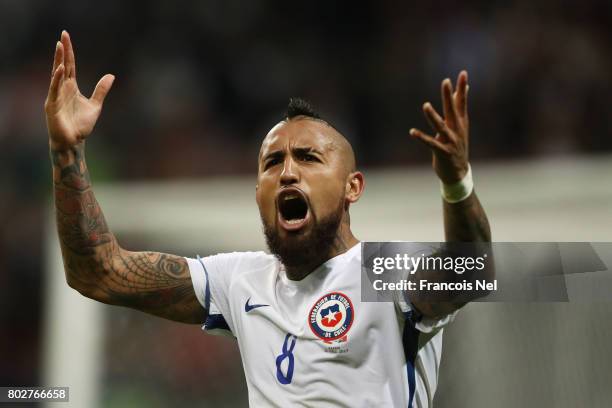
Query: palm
point(71, 116)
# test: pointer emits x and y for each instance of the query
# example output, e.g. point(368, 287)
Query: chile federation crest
point(331, 317)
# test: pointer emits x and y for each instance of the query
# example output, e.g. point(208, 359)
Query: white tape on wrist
point(459, 191)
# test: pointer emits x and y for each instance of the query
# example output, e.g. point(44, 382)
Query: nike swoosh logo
point(248, 308)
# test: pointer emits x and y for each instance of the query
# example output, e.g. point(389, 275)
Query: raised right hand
point(71, 116)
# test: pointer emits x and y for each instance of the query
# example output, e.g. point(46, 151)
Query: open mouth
point(292, 209)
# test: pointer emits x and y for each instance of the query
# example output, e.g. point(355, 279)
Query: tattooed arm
point(98, 267)
point(464, 221)
point(94, 262)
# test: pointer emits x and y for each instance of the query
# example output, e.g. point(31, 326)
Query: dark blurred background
point(199, 83)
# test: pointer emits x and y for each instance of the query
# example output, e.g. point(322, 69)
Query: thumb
point(102, 88)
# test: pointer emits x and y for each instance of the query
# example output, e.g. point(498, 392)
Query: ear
point(355, 184)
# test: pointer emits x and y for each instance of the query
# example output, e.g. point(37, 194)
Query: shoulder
point(239, 261)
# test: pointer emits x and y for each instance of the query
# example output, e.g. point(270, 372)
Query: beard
point(312, 248)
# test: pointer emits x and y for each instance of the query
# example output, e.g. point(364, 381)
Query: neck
point(343, 241)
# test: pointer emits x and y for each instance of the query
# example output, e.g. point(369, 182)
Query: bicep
point(155, 283)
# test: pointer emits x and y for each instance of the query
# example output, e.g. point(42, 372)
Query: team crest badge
point(331, 318)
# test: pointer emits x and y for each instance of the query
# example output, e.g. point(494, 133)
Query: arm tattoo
point(157, 283)
point(466, 221)
point(80, 221)
point(95, 264)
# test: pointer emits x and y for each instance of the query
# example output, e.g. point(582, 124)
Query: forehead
point(298, 133)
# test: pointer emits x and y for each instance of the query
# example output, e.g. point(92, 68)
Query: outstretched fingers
point(58, 57)
point(57, 72)
point(437, 122)
point(68, 55)
point(461, 93)
point(104, 85)
point(451, 129)
point(56, 79)
point(428, 140)
point(450, 114)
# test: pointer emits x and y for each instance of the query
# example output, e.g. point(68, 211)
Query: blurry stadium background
point(173, 162)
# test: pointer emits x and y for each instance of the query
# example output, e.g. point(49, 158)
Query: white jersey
point(313, 343)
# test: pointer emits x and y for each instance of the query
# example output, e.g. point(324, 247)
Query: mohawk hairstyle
point(300, 107)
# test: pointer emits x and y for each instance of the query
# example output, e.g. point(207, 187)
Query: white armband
point(459, 191)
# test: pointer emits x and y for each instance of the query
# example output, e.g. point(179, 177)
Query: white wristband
point(459, 191)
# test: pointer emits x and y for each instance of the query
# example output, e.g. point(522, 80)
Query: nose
point(290, 173)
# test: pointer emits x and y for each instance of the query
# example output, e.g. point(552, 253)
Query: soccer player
point(305, 337)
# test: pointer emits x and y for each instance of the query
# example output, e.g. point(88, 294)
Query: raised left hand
point(449, 146)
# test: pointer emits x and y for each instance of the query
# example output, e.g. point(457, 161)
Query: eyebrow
point(295, 150)
point(274, 154)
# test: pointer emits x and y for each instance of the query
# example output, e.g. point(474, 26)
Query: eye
point(271, 163)
point(310, 158)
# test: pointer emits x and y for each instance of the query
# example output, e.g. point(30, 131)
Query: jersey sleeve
point(422, 323)
point(212, 278)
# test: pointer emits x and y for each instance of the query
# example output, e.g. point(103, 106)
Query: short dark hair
point(300, 107)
